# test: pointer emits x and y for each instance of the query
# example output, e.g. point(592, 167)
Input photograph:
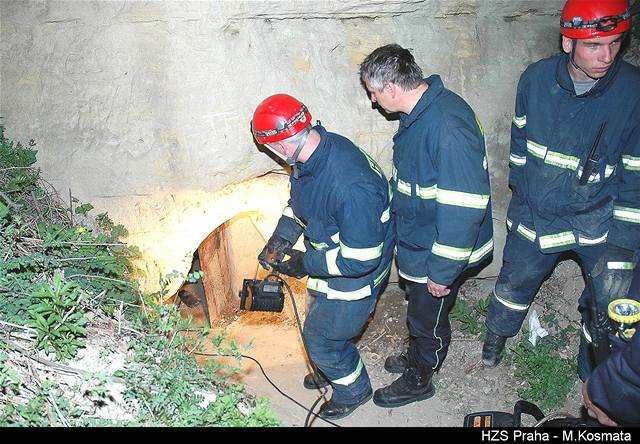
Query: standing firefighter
point(575, 172)
point(340, 201)
point(441, 207)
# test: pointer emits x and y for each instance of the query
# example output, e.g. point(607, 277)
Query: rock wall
point(143, 108)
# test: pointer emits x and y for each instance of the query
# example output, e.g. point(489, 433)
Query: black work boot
point(414, 385)
point(492, 349)
point(314, 380)
point(396, 363)
point(333, 410)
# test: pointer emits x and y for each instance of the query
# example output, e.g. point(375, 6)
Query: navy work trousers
point(524, 269)
point(429, 326)
point(329, 329)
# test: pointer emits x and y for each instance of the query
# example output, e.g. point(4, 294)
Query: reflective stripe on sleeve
point(520, 122)
point(458, 198)
point(455, 253)
point(626, 214)
point(361, 254)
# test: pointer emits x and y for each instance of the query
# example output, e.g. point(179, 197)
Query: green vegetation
point(549, 376)
point(67, 280)
point(471, 318)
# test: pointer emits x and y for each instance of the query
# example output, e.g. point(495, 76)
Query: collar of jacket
point(566, 83)
point(435, 88)
point(316, 161)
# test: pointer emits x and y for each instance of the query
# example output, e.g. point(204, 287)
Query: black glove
point(273, 252)
point(294, 266)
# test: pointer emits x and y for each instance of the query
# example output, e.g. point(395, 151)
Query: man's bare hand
point(437, 290)
point(594, 411)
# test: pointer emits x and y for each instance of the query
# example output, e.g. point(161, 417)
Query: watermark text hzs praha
point(566, 435)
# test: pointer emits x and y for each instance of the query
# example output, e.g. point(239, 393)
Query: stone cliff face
point(143, 108)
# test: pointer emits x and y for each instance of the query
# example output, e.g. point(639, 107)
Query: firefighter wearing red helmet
point(340, 203)
point(592, 33)
point(574, 174)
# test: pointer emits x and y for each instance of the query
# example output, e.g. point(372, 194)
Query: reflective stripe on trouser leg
point(429, 326)
point(524, 268)
point(328, 331)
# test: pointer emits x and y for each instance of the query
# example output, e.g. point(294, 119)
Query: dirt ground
point(463, 385)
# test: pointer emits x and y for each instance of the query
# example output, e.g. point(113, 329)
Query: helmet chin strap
point(291, 160)
point(574, 43)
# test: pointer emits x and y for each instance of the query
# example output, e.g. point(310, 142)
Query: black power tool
point(264, 295)
point(504, 419)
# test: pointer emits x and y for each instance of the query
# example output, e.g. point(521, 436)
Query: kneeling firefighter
point(340, 201)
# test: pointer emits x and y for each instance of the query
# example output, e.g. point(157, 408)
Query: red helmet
point(279, 117)
point(585, 19)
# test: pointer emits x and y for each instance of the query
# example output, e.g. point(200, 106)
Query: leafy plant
point(549, 377)
point(470, 318)
point(56, 318)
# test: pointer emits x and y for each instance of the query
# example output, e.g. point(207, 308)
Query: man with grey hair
point(441, 205)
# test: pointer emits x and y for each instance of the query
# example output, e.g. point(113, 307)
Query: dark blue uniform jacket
point(441, 192)
point(341, 201)
point(551, 136)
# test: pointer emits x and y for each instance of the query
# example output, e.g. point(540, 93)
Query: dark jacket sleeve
point(625, 227)
point(289, 226)
point(518, 154)
point(462, 200)
point(614, 385)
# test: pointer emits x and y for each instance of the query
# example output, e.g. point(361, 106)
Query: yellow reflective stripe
point(427, 192)
point(382, 275)
point(526, 232)
point(511, 305)
point(322, 286)
point(509, 223)
point(594, 178)
point(536, 149)
point(626, 214)
point(631, 163)
point(557, 240)
point(608, 170)
point(302, 224)
point(404, 187)
point(586, 241)
point(361, 254)
point(455, 253)
point(331, 256)
point(484, 163)
point(614, 265)
point(520, 122)
point(460, 199)
point(386, 215)
point(336, 237)
point(517, 160)
point(561, 160)
point(394, 173)
point(481, 252)
point(351, 377)
point(319, 245)
point(418, 279)
point(372, 163)
point(288, 211)
point(480, 127)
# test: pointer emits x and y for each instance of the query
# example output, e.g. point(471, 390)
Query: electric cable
point(304, 345)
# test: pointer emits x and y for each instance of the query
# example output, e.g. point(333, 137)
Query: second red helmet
point(584, 19)
point(279, 117)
